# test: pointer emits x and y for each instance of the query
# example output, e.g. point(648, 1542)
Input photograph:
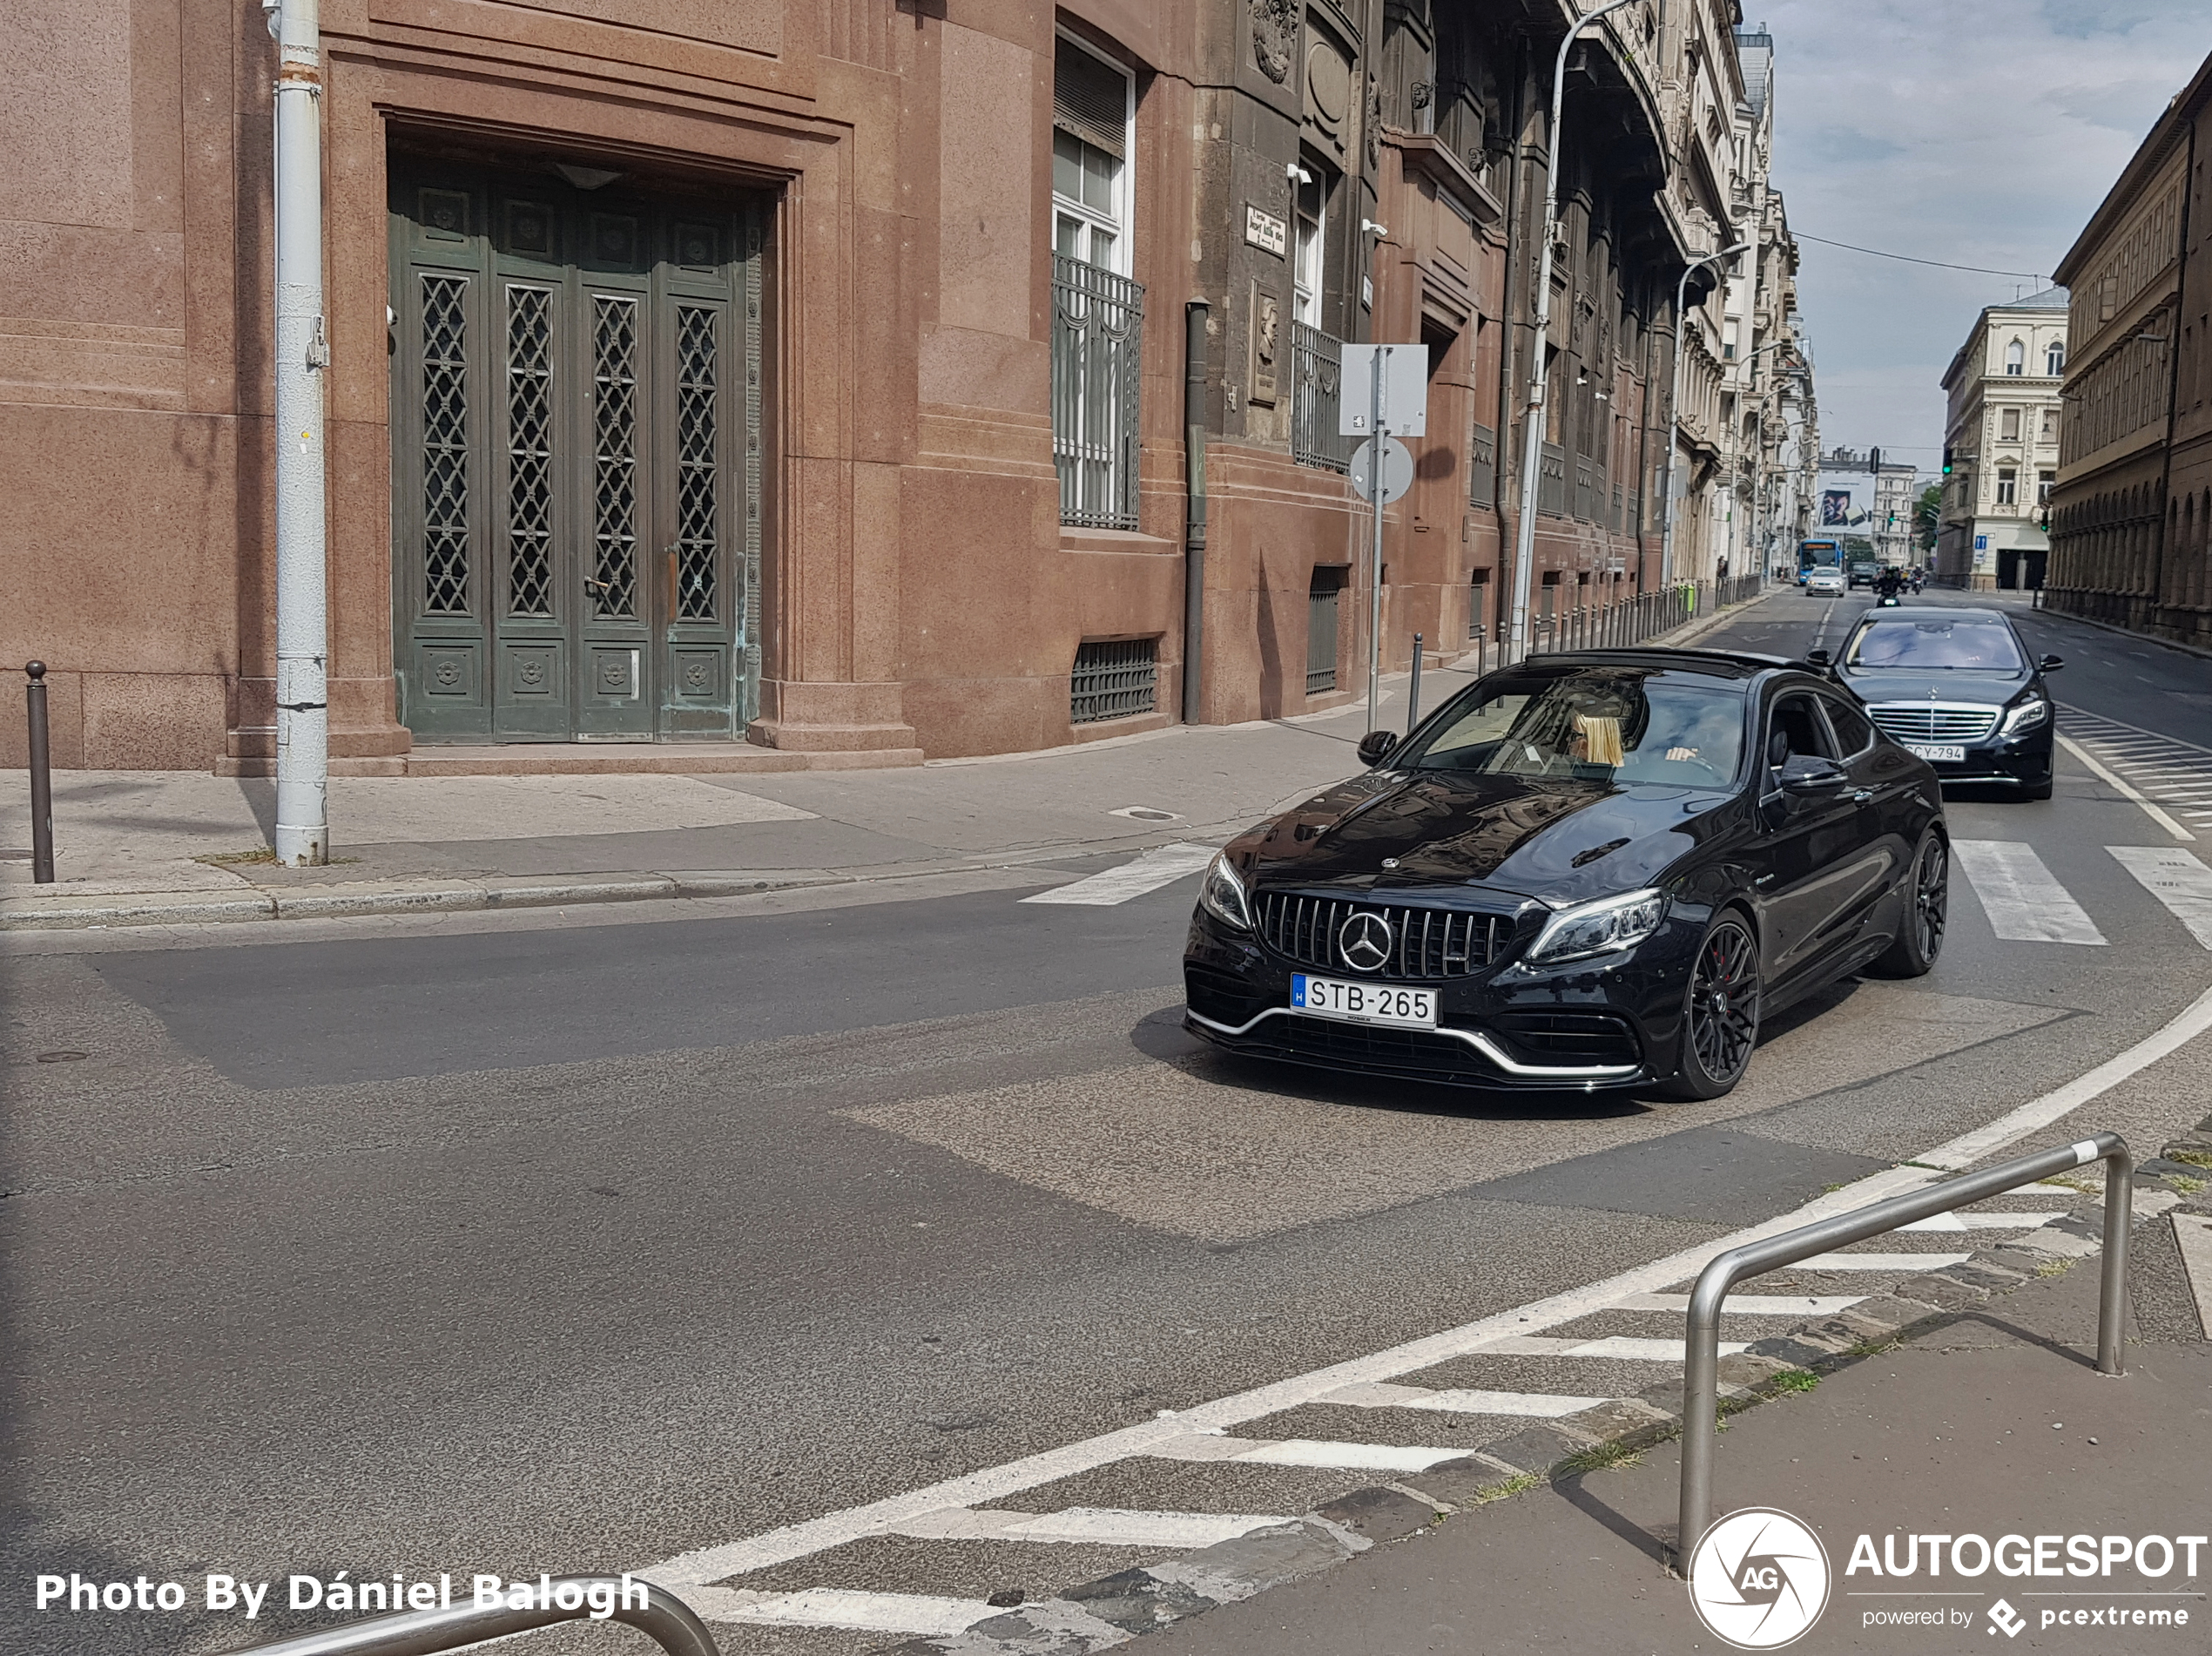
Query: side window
point(1854, 733)
point(1795, 726)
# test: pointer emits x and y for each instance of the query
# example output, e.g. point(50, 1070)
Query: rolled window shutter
point(1089, 99)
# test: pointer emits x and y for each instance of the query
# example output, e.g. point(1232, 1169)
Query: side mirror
point(1807, 773)
point(1818, 658)
point(2050, 663)
point(1375, 745)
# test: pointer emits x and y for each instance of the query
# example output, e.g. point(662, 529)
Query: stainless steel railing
point(1700, 1393)
point(656, 1612)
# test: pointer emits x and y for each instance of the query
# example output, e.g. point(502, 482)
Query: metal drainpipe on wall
point(1194, 313)
point(302, 355)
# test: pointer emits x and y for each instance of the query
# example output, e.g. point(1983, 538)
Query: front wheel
point(1721, 1016)
point(1927, 907)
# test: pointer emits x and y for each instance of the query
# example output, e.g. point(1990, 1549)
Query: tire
point(1928, 905)
point(1720, 1027)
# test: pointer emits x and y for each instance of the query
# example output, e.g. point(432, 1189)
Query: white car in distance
point(1825, 581)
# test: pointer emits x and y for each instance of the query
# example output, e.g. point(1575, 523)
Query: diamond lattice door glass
point(576, 460)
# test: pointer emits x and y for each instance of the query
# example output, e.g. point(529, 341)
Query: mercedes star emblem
point(1364, 940)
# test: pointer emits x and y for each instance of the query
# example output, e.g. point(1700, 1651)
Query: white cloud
point(1975, 133)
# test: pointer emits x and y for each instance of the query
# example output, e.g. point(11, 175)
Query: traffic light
point(1946, 460)
point(1874, 460)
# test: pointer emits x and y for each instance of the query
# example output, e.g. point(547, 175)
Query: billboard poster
point(1834, 507)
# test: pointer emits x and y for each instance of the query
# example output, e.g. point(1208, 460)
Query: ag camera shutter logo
point(1759, 1580)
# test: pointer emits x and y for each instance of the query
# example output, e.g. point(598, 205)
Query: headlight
point(1222, 895)
point(2025, 716)
point(1599, 928)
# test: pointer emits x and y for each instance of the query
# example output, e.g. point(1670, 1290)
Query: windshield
point(1611, 725)
point(1969, 646)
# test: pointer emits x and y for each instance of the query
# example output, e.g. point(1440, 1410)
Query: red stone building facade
point(809, 373)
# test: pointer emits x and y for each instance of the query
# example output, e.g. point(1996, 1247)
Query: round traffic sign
point(1397, 469)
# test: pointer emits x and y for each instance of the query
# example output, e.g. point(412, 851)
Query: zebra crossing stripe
point(1088, 1526)
point(2024, 903)
point(2176, 879)
point(868, 1613)
point(1164, 865)
point(2112, 779)
point(1304, 1451)
point(1536, 1405)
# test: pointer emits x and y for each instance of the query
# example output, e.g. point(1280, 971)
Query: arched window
point(2016, 358)
point(2055, 358)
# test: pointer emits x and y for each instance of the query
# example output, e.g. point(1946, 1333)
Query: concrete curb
point(1097, 1615)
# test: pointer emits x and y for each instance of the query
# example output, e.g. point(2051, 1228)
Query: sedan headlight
point(2024, 716)
point(1599, 928)
point(1222, 895)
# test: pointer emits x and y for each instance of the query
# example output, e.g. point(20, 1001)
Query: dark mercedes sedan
point(1599, 869)
point(1957, 686)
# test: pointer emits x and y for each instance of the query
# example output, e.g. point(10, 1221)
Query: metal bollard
point(1413, 690)
point(41, 777)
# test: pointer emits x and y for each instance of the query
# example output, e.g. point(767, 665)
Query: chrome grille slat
point(1426, 943)
point(1934, 722)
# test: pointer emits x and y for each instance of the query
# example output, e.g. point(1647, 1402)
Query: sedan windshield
point(1608, 725)
point(1969, 646)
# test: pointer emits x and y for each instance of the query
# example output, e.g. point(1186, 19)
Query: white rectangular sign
point(1266, 231)
point(1404, 373)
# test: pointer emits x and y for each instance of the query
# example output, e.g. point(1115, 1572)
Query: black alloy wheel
point(1927, 911)
point(1721, 1020)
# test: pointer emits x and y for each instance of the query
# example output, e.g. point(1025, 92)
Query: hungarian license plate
point(1410, 1009)
point(1938, 752)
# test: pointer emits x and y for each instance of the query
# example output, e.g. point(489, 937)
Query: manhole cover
point(1145, 813)
point(60, 1057)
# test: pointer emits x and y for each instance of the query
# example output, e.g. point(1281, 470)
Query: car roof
point(1717, 664)
point(1940, 613)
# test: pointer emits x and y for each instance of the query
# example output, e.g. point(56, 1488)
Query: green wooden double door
point(576, 458)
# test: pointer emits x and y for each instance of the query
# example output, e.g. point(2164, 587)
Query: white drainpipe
point(302, 353)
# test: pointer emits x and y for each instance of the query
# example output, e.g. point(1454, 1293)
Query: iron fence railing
point(1615, 624)
point(1317, 396)
point(1113, 680)
point(653, 1610)
point(1097, 347)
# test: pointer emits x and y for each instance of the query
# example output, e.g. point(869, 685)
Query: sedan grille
point(1934, 722)
point(1425, 942)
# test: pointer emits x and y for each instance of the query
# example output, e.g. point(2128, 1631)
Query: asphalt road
point(576, 1247)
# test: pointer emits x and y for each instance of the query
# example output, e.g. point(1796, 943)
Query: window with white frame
point(2016, 357)
point(1313, 236)
point(1091, 121)
point(2055, 358)
point(2045, 481)
point(2008, 425)
point(2008, 486)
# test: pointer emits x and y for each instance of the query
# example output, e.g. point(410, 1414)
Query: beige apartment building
point(2001, 434)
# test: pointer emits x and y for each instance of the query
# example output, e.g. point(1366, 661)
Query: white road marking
point(1752, 1305)
point(1910, 1264)
point(2176, 879)
point(1984, 1221)
point(1540, 1405)
point(873, 1612)
point(2024, 903)
point(1620, 1347)
point(1095, 1526)
point(2125, 790)
point(1163, 865)
point(1375, 1458)
point(688, 1569)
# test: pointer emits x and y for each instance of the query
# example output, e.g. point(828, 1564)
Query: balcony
point(1317, 394)
point(1097, 348)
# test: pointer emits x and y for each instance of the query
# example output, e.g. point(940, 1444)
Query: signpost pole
point(1379, 439)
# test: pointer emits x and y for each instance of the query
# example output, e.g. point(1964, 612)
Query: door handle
point(1862, 796)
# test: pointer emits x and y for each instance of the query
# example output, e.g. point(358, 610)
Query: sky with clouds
point(1977, 133)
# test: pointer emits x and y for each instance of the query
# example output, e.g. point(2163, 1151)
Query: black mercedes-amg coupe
point(1589, 870)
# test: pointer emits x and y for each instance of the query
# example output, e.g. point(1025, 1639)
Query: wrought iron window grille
point(1097, 348)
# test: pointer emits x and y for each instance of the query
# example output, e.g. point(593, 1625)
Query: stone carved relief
point(1275, 25)
point(1267, 345)
point(1375, 122)
point(1328, 88)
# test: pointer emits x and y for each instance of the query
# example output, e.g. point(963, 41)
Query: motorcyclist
point(1889, 584)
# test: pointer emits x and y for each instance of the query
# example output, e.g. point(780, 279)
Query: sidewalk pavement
point(167, 848)
point(1993, 1423)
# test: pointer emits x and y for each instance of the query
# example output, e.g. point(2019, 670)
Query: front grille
point(1425, 942)
point(1934, 722)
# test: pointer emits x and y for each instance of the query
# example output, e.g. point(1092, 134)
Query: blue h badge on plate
point(1298, 988)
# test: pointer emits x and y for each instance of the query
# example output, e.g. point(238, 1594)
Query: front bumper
point(1611, 1022)
point(2024, 763)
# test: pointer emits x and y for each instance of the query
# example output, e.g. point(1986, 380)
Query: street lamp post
point(1674, 405)
point(1532, 438)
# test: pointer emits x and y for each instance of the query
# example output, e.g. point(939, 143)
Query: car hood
point(1903, 684)
point(1555, 840)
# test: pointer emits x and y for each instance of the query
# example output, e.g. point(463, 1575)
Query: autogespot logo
point(1759, 1578)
